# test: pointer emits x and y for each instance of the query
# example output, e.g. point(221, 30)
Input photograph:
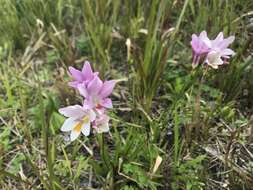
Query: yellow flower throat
point(79, 125)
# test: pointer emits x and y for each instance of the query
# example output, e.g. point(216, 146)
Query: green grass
point(201, 130)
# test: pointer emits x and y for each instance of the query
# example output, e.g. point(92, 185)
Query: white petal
point(227, 51)
point(74, 134)
point(91, 115)
point(86, 129)
point(72, 111)
point(68, 124)
point(214, 59)
point(103, 128)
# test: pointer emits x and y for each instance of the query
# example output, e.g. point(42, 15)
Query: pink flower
point(79, 120)
point(96, 101)
point(101, 123)
point(96, 94)
point(83, 76)
point(200, 47)
point(214, 51)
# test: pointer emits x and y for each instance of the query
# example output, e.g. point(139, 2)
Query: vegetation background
point(169, 128)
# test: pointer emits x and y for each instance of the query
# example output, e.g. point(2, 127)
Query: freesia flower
point(214, 51)
point(83, 76)
point(78, 121)
point(200, 46)
point(96, 94)
point(101, 123)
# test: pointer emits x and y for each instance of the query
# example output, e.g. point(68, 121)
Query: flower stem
point(103, 153)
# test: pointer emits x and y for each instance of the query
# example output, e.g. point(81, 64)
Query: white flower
point(79, 120)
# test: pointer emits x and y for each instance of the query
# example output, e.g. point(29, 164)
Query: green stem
point(102, 151)
point(197, 109)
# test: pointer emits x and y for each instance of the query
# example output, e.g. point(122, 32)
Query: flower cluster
point(215, 52)
point(92, 113)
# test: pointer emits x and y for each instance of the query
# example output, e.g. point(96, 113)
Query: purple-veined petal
point(107, 88)
point(76, 74)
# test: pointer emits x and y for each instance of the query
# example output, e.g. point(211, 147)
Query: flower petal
point(103, 128)
point(219, 37)
point(227, 52)
point(82, 90)
point(94, 86)
point(91, 115)
point(86, 129)
point(226, 42)
point(75, 111)
point(68, 124)
point(88, 103)
point(214, 59)
point(74, 134)
point(107, 88)
point(107, 103)
point(204, 38)
point(102, 123)
point(73, 84)
point(87, 71)
point(76, 74)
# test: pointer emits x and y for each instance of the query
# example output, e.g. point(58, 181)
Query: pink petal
point(107, 103)
point(107, 88)
point(226, 42)
point(219, 37)
point(73, 84)
point(88, 104)
point(204, 39)
point(87, 71)
point(94, 86)
point(75, 111)
point(76, 74)
point(82, 90)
